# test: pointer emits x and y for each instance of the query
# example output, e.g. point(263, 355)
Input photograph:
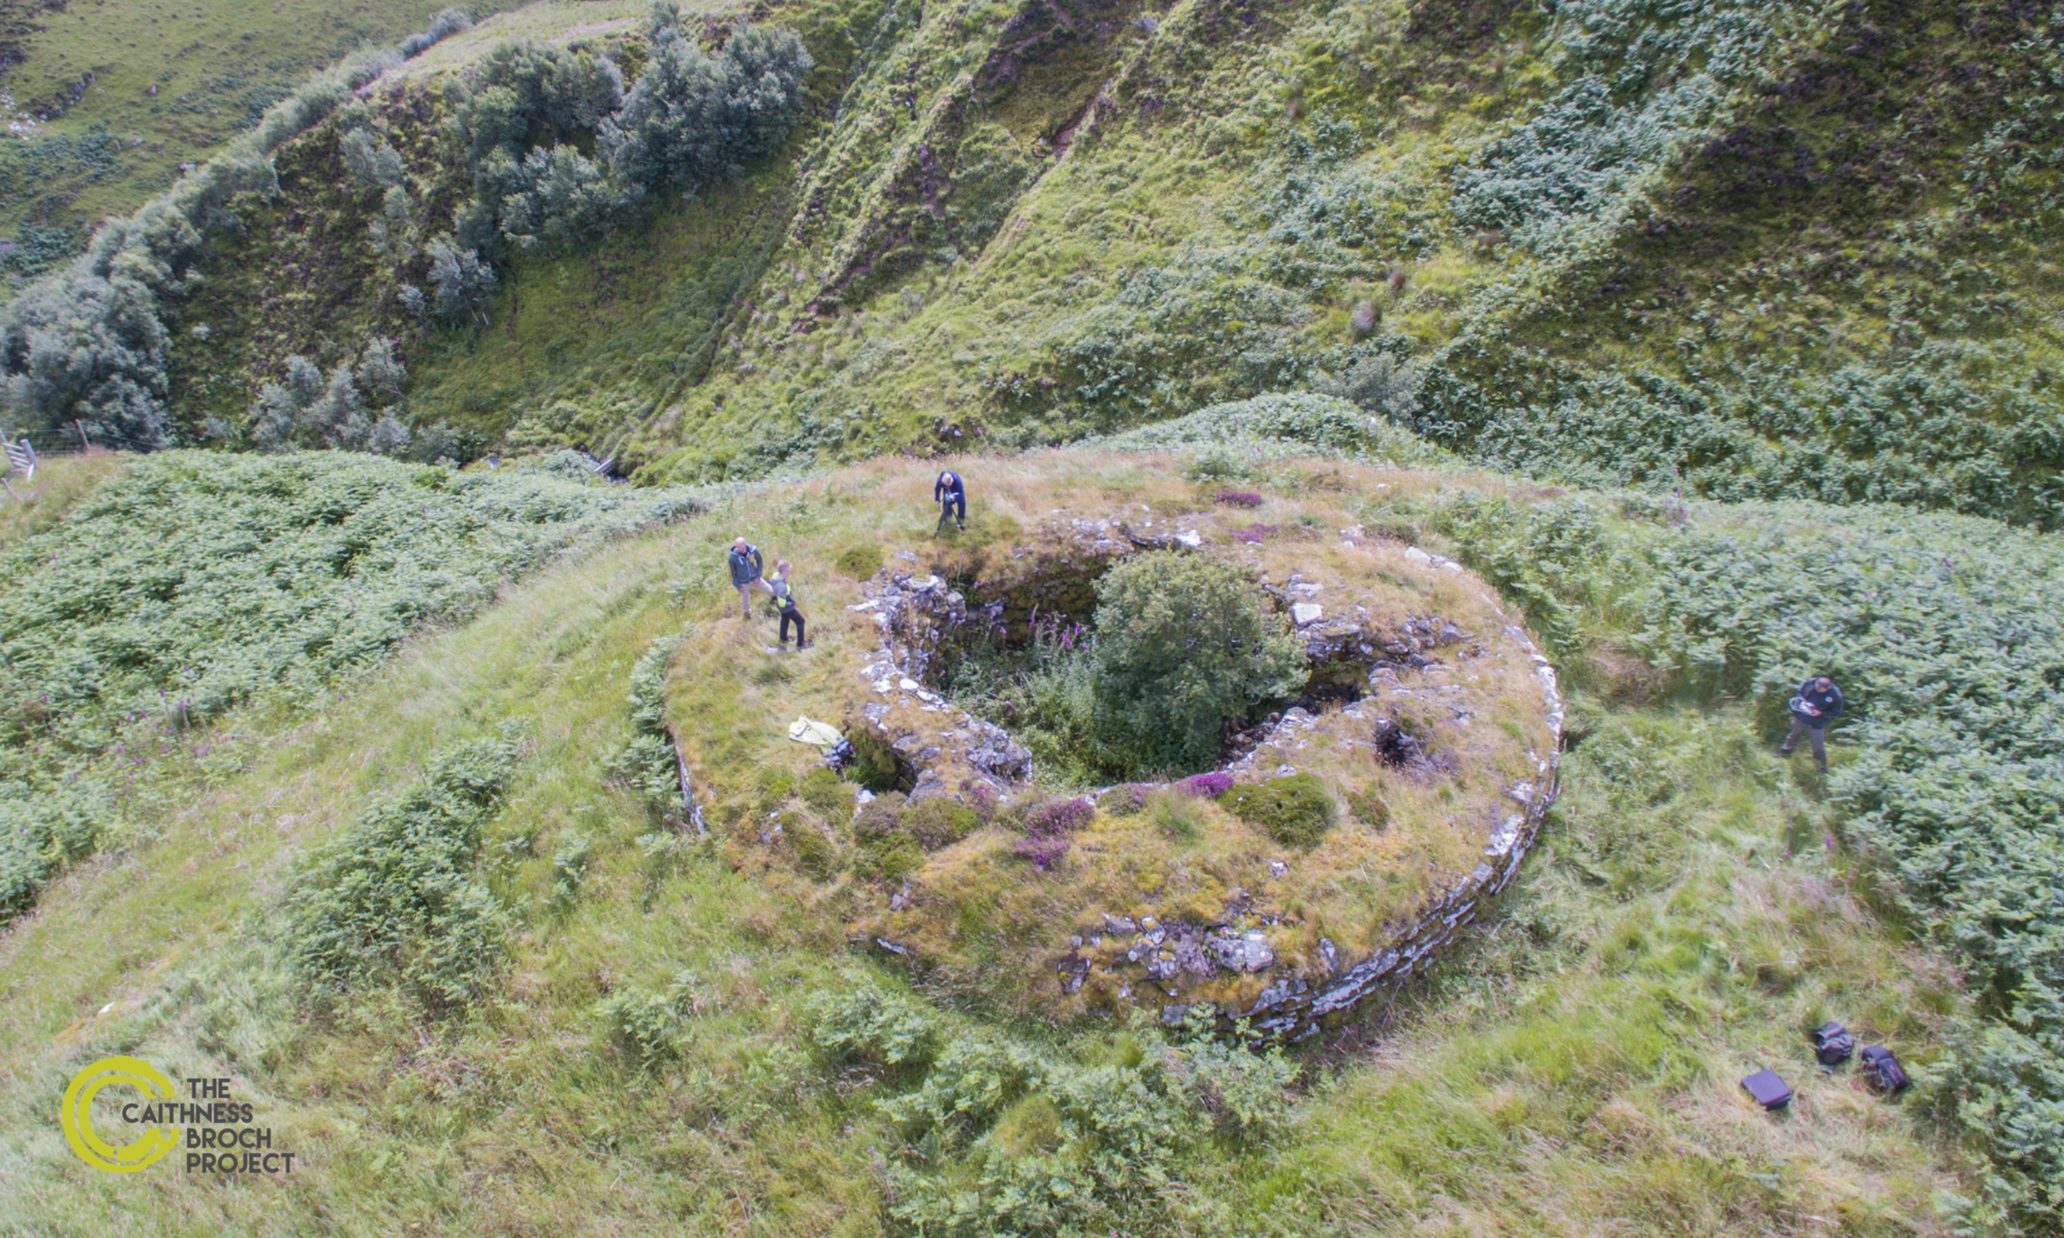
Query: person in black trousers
point(785, 600)
point(950, 493)
point(1819, 702)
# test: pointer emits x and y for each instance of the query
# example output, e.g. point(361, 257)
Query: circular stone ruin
point(1428, 719)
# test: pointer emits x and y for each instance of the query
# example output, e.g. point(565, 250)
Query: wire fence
point(66, 442)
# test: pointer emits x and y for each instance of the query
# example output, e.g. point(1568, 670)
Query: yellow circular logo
point(77, 1116)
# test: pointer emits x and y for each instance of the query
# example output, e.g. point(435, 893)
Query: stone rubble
point(943, 746)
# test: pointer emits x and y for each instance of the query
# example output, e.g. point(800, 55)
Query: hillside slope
point(1763, 249)
point(103, 104)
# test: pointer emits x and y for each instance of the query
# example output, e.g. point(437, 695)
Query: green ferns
point(1947, 635)
point(1002, 1138)
point(648, 765)
point(196, 582)
point(396, 896)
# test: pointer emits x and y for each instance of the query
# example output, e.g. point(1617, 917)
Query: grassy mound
point(1006, 885)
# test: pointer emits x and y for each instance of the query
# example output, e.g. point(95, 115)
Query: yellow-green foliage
point(397, 894)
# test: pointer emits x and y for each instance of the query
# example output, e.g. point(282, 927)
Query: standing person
point(785, 598)
point(1819, 702)
point(950, 493)
point(744, 561)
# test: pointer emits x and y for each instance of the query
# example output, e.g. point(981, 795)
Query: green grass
point(1572, 1068)
point(60, 482)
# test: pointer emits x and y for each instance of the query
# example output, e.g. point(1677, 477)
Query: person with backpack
point(744, 561)
point(1818, 703)
point(950, 493)
point(785, 602)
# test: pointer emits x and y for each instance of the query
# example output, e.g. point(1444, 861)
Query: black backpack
point(1832, 1044)
point(1882, 1071)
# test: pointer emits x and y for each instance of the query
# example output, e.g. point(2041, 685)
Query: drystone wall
point(946, 751)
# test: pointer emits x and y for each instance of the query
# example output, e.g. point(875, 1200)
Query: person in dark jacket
point(1819, 702)
point(744, 561)
point(950, 493)
point(785, 602)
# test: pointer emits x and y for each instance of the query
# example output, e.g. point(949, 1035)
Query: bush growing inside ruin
point(1183, 644)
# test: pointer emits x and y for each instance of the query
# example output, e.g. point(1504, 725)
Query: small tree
point(1183, 643)
point(304, 382)
point(693, 118)
point(380, 372)
point(372, 163)
point(274, 416)
point(460, 281)
point(340, 416)
point(389, 436)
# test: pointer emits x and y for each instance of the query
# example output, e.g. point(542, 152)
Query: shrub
point(396, 894)
point(1014, 1142)
point(880, 817)
point(447, 23)
point(870, 1024)
point(939, 821)
point(1209, 786)
point(460, 283)
point(1183, 644)
point(980, 797)
point(1049, 826)
point(1126, 799)
point(815, 853)
point(1296, 810)
point(218, 577)
point(1043, 850)
point(693, 118)
point(1246, 1093)
point(859, 560)
point(646, 1023)
point(1175, 815)
point(648, 764)
point(41, 828)
point(559, 198)
point(1238, 498)
point(886, 851)
point(373, 164)
point(827, 795)
point(1059, 817)
point(1368, 808)
point(569, 869)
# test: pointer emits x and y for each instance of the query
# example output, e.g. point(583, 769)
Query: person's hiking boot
point(803, 644)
